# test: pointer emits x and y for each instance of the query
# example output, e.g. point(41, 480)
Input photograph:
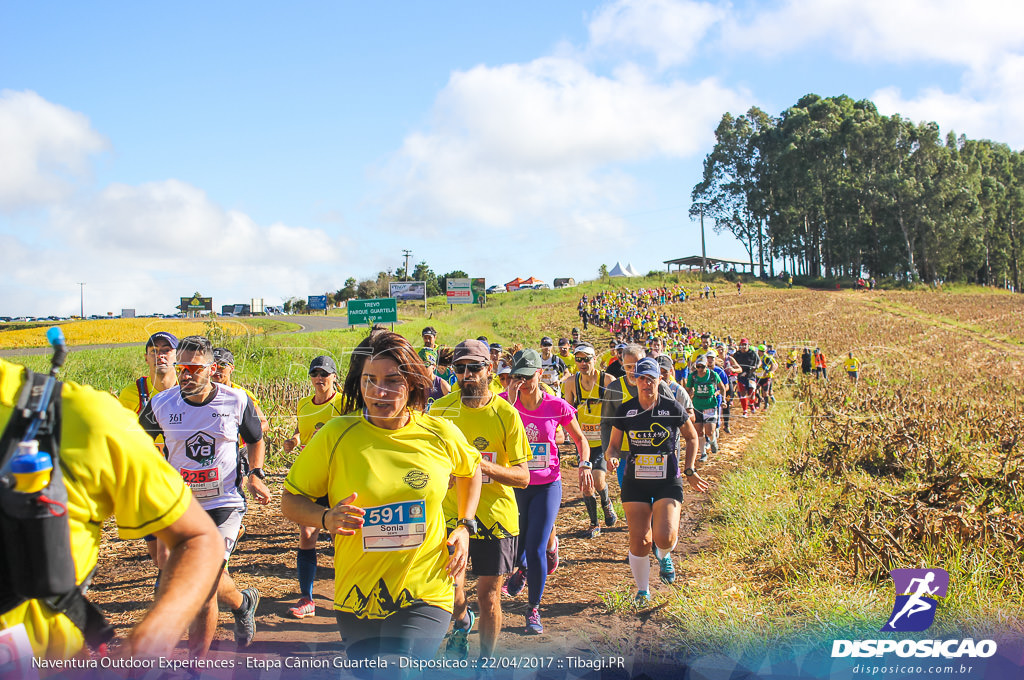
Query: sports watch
point(689, 472)
point(258, 472)
point(470, 524)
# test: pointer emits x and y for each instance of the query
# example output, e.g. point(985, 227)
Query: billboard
point(256, 305)
point(465, 291)
point(408, 290)
point(196, 303)
point(316, 302)
point(127, 313)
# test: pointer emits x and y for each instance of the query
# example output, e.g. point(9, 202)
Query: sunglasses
point(472, 368)
point(520, 378)
point(583, 359)
point(318, 373)
point(191, 368)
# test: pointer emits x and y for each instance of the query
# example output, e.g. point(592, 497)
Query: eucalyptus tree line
point(833, 188)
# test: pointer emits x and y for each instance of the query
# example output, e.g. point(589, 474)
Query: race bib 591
point(395, 526)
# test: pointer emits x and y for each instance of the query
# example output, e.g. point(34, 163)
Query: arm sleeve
point(250, 429)
point(147, 419)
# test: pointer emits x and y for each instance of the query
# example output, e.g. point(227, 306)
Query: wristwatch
point(470, 524)
point(586, 465)
point(258, 472)
point(689, 472)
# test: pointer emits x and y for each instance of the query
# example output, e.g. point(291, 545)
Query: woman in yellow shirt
point(384, 467)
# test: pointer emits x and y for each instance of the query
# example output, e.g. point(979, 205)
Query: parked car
point(495, 289)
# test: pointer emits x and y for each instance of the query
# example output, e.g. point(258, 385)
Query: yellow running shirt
point(110, 468)
point(497, 431)
point(313, 416)
point(129, 396)
point(401, 477)
point(851, 365)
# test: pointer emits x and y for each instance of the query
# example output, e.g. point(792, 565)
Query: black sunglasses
point(318, 373)
point(472, 368)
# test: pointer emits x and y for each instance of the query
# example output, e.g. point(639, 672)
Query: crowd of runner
point(423, 461)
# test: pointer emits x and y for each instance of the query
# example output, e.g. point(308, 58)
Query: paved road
point(310, 324)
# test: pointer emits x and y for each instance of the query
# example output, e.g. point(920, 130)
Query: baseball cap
point(584, 349)
point(526, 362)
point(472, 349)
point(169, 338)
point(546, 342)
point(701, 361)
point(575, 330)
point(429, 330)
point(562, 342)
point(621, 345)
point(744, 341)
point(323, 363)
point(664, 362)
point(222, 355)
point(711, 355)
point(494, 346)
point(649, 367)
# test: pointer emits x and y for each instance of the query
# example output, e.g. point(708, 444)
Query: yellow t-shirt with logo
point(497, 432)
point(851, 365)
point(401, 478)
point(110, 468)
point(313, 416)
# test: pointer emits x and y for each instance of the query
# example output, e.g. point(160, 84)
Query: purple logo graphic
point(917, 591)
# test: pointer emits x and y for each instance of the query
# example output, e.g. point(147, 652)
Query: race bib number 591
point(395, 526)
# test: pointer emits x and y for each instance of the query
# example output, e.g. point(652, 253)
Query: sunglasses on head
point(318, 373)
point(191, 368)
point(472, 368)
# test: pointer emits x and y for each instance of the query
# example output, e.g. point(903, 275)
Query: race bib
point(489, 457)
point(395, 526)
point(541, 456)
point(710, 412)
point(650, 466)
point(205, 483)
point(590, 430)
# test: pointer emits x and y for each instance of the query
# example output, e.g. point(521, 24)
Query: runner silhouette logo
point(917, 593)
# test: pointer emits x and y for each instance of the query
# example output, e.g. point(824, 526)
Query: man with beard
point(201, 423)
point(494, 427)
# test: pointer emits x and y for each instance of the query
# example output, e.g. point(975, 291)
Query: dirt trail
point(574, 615)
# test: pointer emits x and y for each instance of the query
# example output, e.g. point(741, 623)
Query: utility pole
point(703, 251)
point(408, 254)
point(81, 299)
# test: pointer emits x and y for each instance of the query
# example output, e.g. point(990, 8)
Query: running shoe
point(667, 570)
point(305, 608)
point(642, 599)
point(514, 583)
point(727, 429)
point(594, 531)
point(533, 622)
point(704, 457)
point(245, 617)
point(610, 518)
point(745, 415)
point(457, 647)
point(553, 558)
point(714, 445)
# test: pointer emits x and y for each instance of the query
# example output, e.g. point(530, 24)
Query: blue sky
point(256, 150)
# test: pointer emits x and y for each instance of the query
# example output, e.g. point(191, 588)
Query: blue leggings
point(538, 507)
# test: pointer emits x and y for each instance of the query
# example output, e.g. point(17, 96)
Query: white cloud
point(542, 140)
point(987, 105)
point(44, 148)
point(144, 246)
point(671, 31)
point(882, 31)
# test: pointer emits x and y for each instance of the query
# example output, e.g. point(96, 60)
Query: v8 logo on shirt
point(200, 447)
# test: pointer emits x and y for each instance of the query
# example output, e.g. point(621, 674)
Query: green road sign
point(380, 310)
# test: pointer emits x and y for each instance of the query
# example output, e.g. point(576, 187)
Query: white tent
point(618, 271)
point(630, 271)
